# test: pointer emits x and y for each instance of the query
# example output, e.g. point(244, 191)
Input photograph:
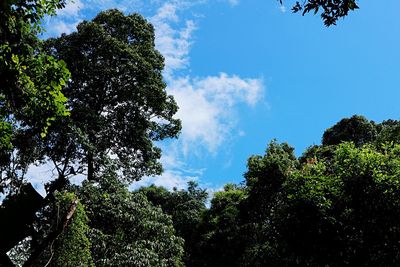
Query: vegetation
point(330, 10)
point(336, 205)
point(97, 119)
point(116, 97)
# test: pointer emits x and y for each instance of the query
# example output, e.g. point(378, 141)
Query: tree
point(30, 101)
point(61, 238)
point(116, 97)
point(388, 131)
point(265, 179)
point(339, 206)
point(30, 86)
point(186, 208)
point(126, 229)
point(341, 212)
point(220, 241)
point(356, 129)
point(118, 107)
point(331, 10)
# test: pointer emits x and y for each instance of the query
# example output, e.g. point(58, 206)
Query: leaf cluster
point(330, 10)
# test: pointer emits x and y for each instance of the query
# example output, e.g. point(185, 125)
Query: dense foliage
point(116, 97)
point(125, 229)
point(338, 204)
point(186, 207)
point(72, 247)
point(98, 119)
point(30, 86)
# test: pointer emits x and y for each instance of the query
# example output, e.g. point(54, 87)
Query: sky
point(244, 72)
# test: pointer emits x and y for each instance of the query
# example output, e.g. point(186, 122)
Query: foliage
point(265, 177)
point(117, 98)
point(20, 253)
point(388, 131)
point(220, 238)
point(118, 107)
point(335, 206)
point(338, 204)
point(186, 208)
point(331, 11)
point(30, 85)
point(126, 230)
point(72, 247)
point(356, 129)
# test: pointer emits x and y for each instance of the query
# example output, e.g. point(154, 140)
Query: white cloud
point(176, 175)
point(66, 20)
point(40, 175)
point(71, 9)
point(233, 2)
point(206, 107)
point(59, 26)
point(174, 44)
point(282, 8)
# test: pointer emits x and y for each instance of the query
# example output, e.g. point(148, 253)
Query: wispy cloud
point(173, 43)
point(61, 26)
point(282, 8)
point(207, 106)
point(72, 9)
point(233, 2)
point(66, 20)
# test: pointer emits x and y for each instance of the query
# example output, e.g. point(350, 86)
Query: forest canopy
point(93, 104)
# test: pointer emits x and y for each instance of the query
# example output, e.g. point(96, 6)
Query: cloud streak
point(173, 43)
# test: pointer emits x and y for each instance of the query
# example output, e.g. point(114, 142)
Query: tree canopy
point(337, 205)
point(31, 82)
point(93, 103)
point(99, 119)
point(116, 97)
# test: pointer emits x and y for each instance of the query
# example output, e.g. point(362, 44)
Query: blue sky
point(247, 71)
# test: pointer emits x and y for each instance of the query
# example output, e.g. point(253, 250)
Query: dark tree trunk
point(5, 261)
point(90, 174)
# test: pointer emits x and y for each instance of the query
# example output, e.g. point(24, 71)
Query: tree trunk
point(90, 173)
point(5, 261)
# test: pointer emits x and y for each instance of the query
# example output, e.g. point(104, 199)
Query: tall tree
point(117, 98)
point(265, 179)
